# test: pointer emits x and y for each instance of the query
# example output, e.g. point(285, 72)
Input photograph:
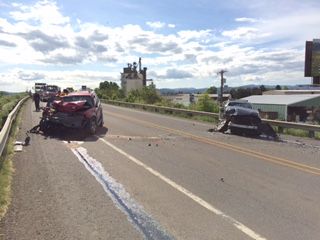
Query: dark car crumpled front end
point(244, 121)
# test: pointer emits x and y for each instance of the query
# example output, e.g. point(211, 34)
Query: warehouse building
point(292, 92)
point(296, 108)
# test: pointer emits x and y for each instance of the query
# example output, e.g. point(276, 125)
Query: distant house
point(215, 97)
point(184, 99)
point(187, 99)
point(290, 107)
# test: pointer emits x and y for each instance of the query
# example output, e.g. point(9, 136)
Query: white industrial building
point(133, 79)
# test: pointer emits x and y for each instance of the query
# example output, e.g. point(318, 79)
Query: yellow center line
point(277, 160)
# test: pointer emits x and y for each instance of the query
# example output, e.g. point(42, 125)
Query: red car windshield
point(76, 98)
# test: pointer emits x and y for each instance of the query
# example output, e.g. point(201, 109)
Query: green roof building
point(286, 107)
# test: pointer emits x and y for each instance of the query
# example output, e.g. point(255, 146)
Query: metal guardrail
point(156, 108)
point(280, 124)
point(4, 133)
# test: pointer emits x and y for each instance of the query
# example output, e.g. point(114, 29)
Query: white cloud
point(156, 25)
point(294, 28)
point(40, 35)
point(174, 73)
point(242, 33)
point(245, 19)
point(45, 12)
point(159, 25)
point(200, 35)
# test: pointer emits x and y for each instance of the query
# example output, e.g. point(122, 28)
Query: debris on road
point(18, 146)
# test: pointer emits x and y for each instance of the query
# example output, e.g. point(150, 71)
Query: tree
point(240, 93)
point(278, 87)
point(109, 90)
point(148, 95)
point(256, 91)
point(212, 90)
point(263, 88)
point(206, 104)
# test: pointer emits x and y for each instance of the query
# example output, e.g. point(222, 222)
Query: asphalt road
point(151, 176)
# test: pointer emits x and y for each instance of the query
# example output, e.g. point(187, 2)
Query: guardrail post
point(311, 134)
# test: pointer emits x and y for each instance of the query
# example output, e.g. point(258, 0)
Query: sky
point(182, 43)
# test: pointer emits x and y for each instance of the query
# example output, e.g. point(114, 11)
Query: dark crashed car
point(241, 119)
point(80, 110)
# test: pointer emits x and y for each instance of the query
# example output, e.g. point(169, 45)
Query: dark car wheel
point(92, 126)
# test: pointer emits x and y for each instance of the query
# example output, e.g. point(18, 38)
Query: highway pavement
point(151, 176)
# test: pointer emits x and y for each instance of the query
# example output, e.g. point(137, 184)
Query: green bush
point(146, 95)
point(7, 103)
point(205, 104)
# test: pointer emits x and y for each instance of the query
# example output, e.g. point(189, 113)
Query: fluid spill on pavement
point(122, 199)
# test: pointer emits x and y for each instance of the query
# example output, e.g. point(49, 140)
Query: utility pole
point(221, 92)
point(221, 86)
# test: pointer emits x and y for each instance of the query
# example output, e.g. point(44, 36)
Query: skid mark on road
point(246, 230)
point(136, 214)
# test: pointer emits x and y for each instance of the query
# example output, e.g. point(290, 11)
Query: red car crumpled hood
point(70, 106)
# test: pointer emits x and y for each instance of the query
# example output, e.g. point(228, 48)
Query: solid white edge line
point(249, 232)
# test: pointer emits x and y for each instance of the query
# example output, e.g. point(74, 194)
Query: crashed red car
point(80, 110)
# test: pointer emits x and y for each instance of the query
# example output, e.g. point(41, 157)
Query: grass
point(6, 169)
point(298, 133)
point(7, 103)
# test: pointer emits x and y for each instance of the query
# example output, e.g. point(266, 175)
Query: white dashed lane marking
point(246, 230)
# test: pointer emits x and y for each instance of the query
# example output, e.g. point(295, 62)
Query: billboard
point(312, 59)
point(315, 59)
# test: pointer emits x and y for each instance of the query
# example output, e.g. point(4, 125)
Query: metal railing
point(311, 129)
point(4, 133)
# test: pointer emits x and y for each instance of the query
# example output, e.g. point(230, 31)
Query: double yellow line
point(277, 160)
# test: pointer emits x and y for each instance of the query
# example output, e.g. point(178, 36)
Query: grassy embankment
point(7, 103)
